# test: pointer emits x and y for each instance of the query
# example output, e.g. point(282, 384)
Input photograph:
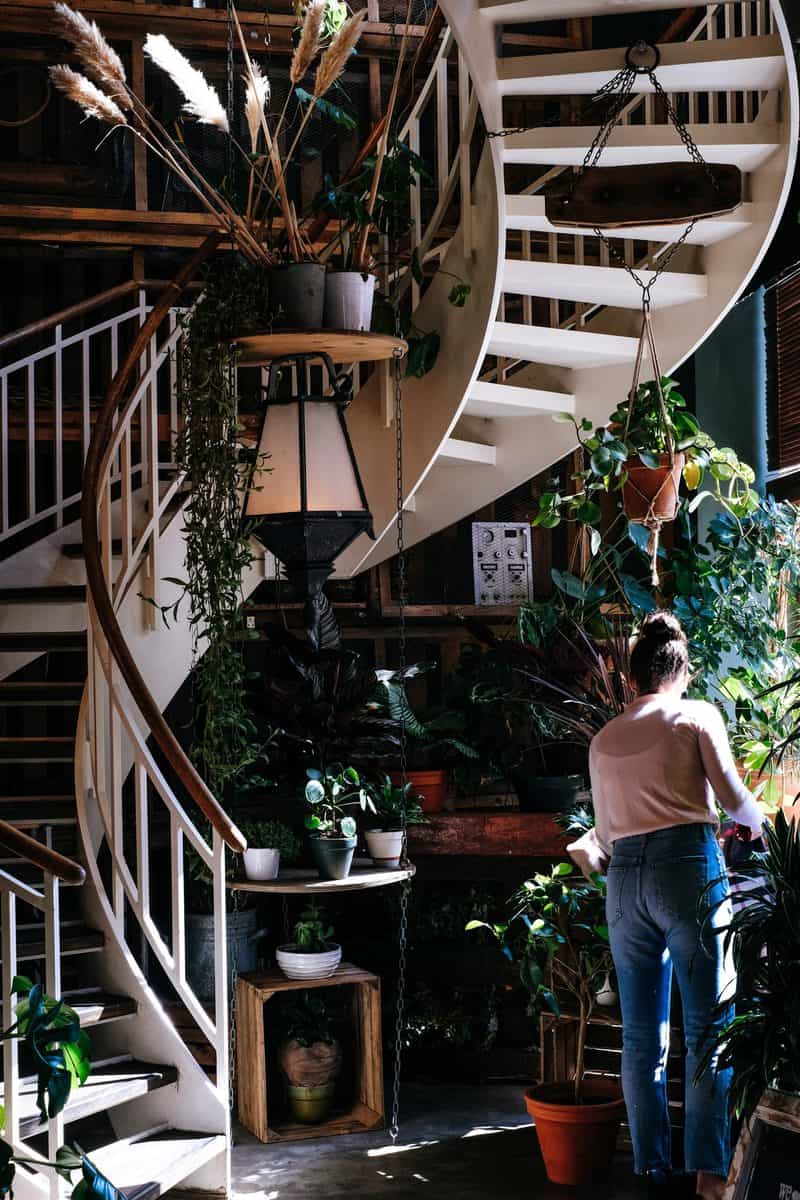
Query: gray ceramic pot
point(333, 857)
point(299, 291)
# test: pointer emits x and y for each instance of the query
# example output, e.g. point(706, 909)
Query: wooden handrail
point(95, 577)
point(41, 856)
point(80, 308)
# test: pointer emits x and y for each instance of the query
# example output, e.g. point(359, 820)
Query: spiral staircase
point(90, 768)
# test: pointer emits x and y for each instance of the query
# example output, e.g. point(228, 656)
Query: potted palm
point(311, 954)
point(557, 930)
point(269, 843)
point(309, 1056)
point(329, 794)
point(396, 807)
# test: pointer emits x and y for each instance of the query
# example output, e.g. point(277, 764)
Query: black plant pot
point(333, 857)
point(546, 793)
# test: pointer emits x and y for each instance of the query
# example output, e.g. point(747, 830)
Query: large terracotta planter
point(430, 786)
point(652, 491)
point(578, 1141)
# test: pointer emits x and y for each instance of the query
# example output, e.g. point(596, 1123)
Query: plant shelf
point(341, 346)
point(294, 880)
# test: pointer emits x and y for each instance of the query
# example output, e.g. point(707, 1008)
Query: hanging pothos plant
point(218, 549)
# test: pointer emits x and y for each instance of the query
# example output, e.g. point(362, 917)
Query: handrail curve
point(41, 856)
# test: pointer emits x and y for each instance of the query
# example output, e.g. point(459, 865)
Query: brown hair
point(661, 653)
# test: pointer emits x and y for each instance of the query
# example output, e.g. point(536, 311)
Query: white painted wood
point(497, 401)
point(509, 11)
point(745, 146)
point(598, 285)
point(700, 66)
point(460, 452)
point(148, 1165)
point(8, 911)
point(528, 213)
point(561, 347)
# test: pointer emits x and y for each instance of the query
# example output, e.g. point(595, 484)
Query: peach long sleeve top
point(661, 763)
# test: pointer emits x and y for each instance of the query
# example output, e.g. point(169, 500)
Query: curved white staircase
point(552, 322)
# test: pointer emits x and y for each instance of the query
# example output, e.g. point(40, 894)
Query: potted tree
point(269, 843)
point(330, 793)
point(432, 742)
point(309, 1056)
point(311, 954)
point(396, 807)
point(557, 929)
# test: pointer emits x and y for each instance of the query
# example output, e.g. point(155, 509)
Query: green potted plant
point(396, 807)
point(269, 843)
point(432, 742)
point(311, 954)
point(557, 930)
point(761, 1040)
point(309, 1056)
point(330, 793)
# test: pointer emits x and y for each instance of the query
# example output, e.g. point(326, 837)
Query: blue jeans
point(655, 885)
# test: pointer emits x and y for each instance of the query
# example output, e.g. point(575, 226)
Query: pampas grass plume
point(202, 101)
point(308, 45)
point(336, 57)
point(93, 102)
point(256, 99)
point(100, 62)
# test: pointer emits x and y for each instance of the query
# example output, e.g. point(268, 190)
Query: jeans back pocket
point(618, 880)
point(680, 884)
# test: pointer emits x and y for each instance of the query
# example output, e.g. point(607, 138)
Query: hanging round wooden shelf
point(294, 881)
point(341, 346)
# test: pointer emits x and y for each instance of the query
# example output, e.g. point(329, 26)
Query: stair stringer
point(527, 445)
point(164, 656)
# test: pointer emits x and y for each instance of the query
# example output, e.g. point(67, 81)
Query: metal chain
point(405, 886)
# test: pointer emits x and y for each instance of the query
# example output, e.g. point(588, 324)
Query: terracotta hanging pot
point(652, 493)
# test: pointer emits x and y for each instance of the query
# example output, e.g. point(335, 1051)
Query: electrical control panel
point(501, 562)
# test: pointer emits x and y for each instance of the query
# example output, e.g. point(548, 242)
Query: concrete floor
point(455, 1141)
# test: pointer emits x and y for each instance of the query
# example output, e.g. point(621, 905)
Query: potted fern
point(311, 954)
point(433, 743)
point(557, 931)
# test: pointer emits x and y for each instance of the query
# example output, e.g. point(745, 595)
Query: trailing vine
point(218, 549)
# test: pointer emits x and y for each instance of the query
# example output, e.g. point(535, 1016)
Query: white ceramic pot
point(262, 864)
point(296, 964)
point(607, 997)
point(385, 847)
point(348, 300)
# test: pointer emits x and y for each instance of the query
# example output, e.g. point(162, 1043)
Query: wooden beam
point(139, 148)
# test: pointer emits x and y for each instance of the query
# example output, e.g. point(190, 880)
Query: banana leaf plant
point(563, 951)
point(51, 1033)
point(761, 1043)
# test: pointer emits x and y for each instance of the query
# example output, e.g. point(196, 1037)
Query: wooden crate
point(254, 990)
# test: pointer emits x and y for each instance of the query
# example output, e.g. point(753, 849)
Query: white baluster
point(178, 903)
point(8, 908)
point(52, 941)
point(4, 451)
point(30, 415)
point(58, 417)
point(221, 998)
point(464, 166)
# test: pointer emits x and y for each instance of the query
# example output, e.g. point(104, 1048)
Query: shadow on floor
point(469, 1146)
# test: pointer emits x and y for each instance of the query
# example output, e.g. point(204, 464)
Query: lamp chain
point(405, 886)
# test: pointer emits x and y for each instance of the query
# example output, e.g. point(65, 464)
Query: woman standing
point(655, 773)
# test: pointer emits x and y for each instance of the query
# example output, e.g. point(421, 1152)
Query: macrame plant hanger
point(642, 59)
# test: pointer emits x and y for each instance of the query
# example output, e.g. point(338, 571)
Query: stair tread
point(75, 549)
point(77, 941)
point(63, 593)
point(44, 640)
point(528, 212)
point(111, 1083)
point(542, 10)
point(40, 692)
point(560, 347)
point(498, 400)
point(707, 66)
point(95, 1006)
point(145, 1166)
point(37, 749)
point(589, 284)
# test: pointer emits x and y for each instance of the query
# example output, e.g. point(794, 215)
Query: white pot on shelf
point(298, 964)
point(349, 296)
point(385, 847)
point(262, 864)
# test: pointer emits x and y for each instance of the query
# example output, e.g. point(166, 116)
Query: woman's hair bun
point(661, 627)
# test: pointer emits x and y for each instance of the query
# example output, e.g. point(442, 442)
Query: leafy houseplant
point(311, 954)
point(433, 743)
point(269, 843)
point(557, 929)
point(759, 725)
point(330, 793)
point(59, 1049)
point(762, 1040)
point(396, 807)
point(309, 1055)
